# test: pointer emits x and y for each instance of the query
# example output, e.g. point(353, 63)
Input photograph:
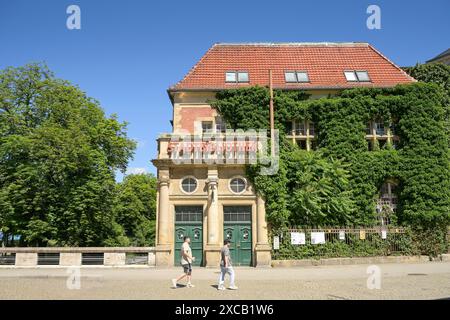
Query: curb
point(355, 261)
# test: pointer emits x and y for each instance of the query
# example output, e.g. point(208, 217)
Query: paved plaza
point(430, 280)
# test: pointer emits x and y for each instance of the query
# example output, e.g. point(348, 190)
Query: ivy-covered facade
point(403, 157)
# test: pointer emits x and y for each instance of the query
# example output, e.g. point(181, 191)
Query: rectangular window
point(296, 76)
point(290, 76)
point(220, 125)
point(236, 76)
point(350, 76)
point(207, 126)
point(302, 76)
point(357, 76)
point(230, 77)
point(237, 213)
point(363, 76)
point(188, 213)
point(300, 128)
point(242, 77)
point(379, 128)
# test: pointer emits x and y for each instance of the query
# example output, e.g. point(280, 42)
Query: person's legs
point(181, 277)
point(185, 274)
point(221, 278)
point(231, 273)
point(189, 276)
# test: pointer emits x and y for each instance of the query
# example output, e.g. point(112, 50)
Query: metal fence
point(304, 242)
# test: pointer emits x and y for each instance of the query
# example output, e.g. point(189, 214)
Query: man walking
point(186, 263)
point(226, 267)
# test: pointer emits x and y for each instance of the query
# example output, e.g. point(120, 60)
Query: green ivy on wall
point(339, 183)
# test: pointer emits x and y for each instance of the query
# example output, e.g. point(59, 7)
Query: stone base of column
point(212, 256)
point(263, 255)
point(163, 257)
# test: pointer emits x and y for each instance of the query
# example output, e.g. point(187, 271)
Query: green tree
point(135, 208)
point(58, 155)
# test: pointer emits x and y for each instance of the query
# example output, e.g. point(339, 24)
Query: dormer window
point(296, 76)
point(357, 76)
point(236, 76)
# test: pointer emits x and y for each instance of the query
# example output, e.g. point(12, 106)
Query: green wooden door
point(238, 229)
point(188, 222)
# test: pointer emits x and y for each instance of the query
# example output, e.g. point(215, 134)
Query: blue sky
point(128, 53)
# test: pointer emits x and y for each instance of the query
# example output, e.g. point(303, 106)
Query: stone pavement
point(429, 280)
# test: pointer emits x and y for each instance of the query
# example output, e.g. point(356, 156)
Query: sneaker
point(190, 285)
point(232, 287)
point(221, 288)
point(174, 283)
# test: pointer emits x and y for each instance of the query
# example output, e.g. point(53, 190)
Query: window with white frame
point(296, 76)
point(237, 185)
point(189, 184)
point(378, 133)
point(357, 76)
point(303, 133)
point(236, 77)
point(207, 126)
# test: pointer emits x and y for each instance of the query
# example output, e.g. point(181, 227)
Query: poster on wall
point(317, 237)
point(276, 243)
point(298, 238)
point(362, 234)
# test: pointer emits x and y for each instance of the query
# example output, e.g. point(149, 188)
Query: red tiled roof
point(324, 62)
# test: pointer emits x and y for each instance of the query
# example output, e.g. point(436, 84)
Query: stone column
point(263, 249)
point(163, 212)
point(163, 248)
point(213, 214)
point(213, 228)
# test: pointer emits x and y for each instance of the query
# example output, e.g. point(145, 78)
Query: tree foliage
point(135, 208)
point(58, 155)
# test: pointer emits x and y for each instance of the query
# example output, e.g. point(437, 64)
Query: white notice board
point(298, 238)
point(317, 237)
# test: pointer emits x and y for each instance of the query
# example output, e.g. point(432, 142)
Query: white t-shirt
point(186, 249)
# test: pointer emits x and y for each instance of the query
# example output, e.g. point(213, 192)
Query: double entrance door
point(189, 222)
point(237, 227)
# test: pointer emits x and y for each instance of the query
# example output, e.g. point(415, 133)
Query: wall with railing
point(76, 256)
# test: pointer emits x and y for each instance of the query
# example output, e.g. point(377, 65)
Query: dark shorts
point(187, 268)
